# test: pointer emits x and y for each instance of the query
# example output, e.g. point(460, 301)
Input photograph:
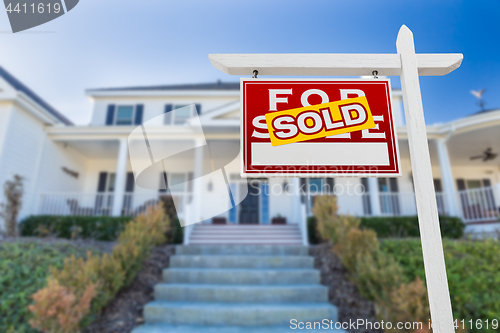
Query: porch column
point(196, 213)
point(447, 177)
point(121, 172)
point(374, 196)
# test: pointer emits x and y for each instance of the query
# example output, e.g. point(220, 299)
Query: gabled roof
point(19, 86)
point(219, 85)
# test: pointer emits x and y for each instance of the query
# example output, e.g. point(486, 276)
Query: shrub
point(407, 226)
point(58, 309)
point(407, 304)
point(13, 191)
point(103, 228)
point(355, 243)
point(24, 268)
point(376, 275)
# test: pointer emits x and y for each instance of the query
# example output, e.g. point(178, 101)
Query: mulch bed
point(342, 292)
point(125, 311)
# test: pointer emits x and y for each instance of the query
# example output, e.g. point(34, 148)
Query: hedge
point(398, 227)
point(473, 269)
point(103, 228)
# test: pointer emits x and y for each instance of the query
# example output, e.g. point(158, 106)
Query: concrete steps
point(165, 328)
point(240, 276)
point(295, 293)
point(237, 289)
point(288, 234)
point(235, 314)
point(270, 250)
point(244, 261)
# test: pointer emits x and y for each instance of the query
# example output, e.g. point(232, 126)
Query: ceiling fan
point(486, 156)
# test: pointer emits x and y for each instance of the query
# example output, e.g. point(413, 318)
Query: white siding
point(22, 144)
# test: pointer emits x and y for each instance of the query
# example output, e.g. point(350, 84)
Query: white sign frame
point(408, 66)
point(375, 173)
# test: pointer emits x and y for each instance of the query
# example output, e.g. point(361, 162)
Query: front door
point(249, 207)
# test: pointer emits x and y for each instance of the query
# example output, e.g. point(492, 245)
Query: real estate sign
point(315, 127)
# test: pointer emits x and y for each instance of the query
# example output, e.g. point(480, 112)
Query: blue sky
point(116, 43)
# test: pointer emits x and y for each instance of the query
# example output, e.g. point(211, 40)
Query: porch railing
point(391, 204)
point(480, 204)
point(101, 204)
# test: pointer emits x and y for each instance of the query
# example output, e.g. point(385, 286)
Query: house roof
point(219, 85)
point(483, 111)
point(19, 86)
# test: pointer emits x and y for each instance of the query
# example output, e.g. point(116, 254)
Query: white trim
point(156, 93)
point(324, 64)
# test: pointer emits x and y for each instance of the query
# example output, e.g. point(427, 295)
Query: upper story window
point(176, 114)
point(124, 114)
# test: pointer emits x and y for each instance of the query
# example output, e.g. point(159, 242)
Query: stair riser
point(234, 315)
point(241, 294)
point(240, 277)
point(164, 328)
point(245, 250)
point(241, 262)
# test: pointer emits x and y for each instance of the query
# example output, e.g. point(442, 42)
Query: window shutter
point(139, 108)
point(330, 182)
point(198, 108)
point(394, 184)
point(437, 185)
point(110, 116)
point(163, 182)
point(364, 182)
point(461, 184)
point(168, 114)
point(129, 185)
point(101, 185)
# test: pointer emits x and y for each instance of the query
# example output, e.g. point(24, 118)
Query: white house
point(85, 170)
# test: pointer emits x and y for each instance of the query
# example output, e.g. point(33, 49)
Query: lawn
point(24, 267)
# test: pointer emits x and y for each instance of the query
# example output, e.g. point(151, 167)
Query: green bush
point(24, 269)
point(103, 228)
point(473, 269)
point(396, 227)
point(407, 226)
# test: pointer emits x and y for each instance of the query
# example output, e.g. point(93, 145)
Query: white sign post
point(409, 66)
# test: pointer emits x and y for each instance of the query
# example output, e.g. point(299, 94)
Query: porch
point(475, 205)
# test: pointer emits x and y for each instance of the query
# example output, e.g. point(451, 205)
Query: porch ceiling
point(472, 143)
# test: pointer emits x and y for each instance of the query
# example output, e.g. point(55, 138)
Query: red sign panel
point(366, 153)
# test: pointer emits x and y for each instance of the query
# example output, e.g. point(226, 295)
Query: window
point(111, 182)
point(177, 182)
point(321, 185)
point(180, 114)
point(388, 185)
point(124, 115)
